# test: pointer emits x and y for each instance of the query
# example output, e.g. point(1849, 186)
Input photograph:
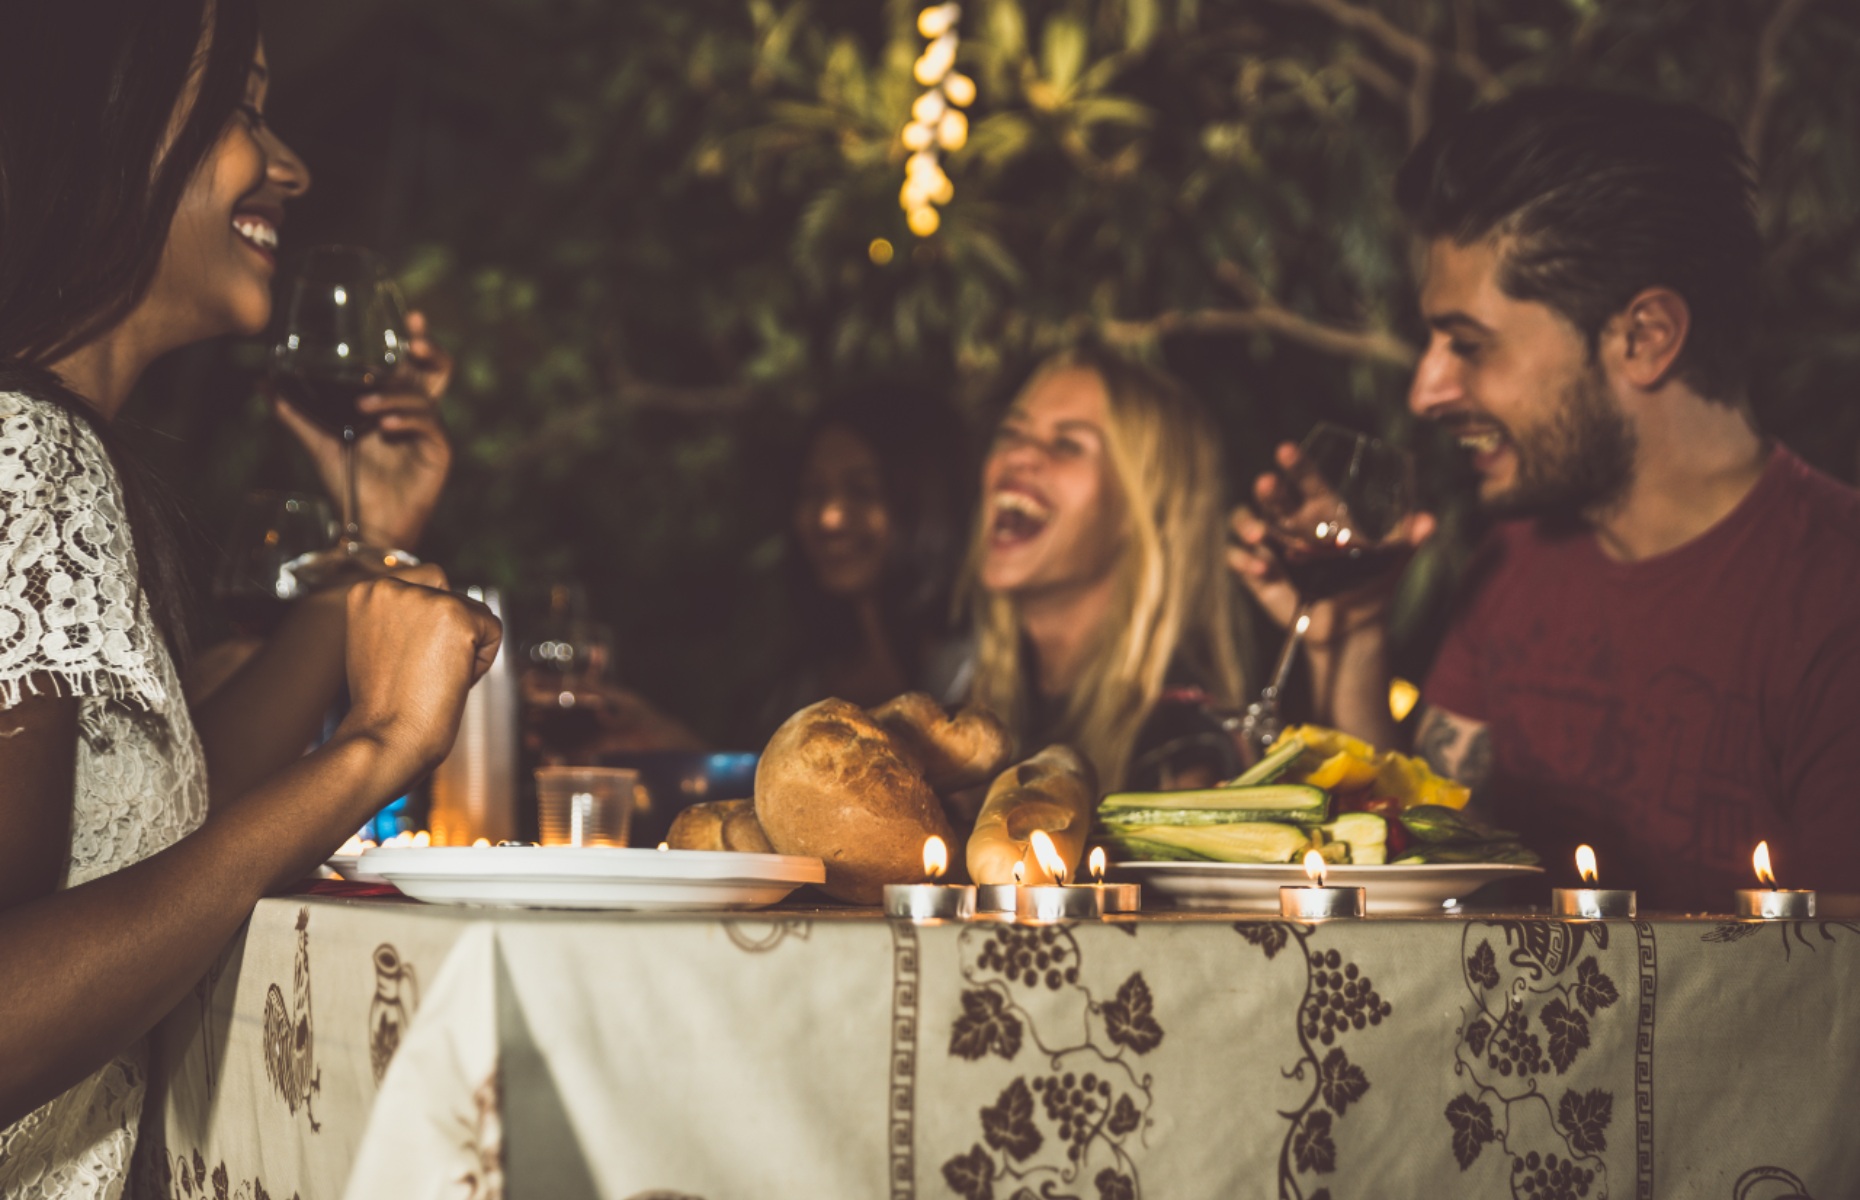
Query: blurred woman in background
point(1102, 609)
point(876, 531)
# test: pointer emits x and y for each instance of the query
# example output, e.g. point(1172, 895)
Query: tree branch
point(1374, 345)
point(1768, 78)
point(1420, 52)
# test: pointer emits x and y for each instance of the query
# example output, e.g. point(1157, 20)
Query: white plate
point(349, 866)
point(1254, 887)
point(590, 876)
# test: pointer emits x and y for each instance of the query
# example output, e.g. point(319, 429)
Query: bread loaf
point(1055, 790)
point(956, 752)
point(719, 825)
point(834, 784)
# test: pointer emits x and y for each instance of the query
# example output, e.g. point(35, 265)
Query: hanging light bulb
point(952, 132)
point(935, 126)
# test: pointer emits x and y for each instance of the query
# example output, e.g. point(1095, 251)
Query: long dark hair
point(924, 470)
point(91, 174)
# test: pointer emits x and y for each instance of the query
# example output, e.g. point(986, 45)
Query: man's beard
point(1577, 464)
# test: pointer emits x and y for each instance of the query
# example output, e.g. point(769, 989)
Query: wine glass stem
point(351, 507)
point(1294, 637)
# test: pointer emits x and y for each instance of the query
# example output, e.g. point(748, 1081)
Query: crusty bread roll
point(719, 825)
point(833, 785)
point(1055, 790)
point(956, 752)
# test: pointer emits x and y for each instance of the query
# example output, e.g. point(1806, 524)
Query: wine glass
point(344, 336)
point(273, 534)
point(1338, 527)
point(564, 681)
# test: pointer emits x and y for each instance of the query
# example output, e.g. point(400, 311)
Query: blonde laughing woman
point(1102, 607)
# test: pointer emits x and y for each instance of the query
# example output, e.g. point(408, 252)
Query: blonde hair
point(1172, 589)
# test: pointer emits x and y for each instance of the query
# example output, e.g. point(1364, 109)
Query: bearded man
point(1658, 649)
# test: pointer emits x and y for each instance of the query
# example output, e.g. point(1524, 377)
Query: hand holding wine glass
point(1321, 554)
point(357, 380)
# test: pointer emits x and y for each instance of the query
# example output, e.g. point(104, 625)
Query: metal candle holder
point(1592, 904)
point(997, 898)
point(1779, 904)
point(930, 901)
point(1116, 897)
point(1058, 902)
point(1319, 903)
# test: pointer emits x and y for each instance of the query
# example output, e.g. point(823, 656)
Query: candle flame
point(1585, 864)
point(1314, 868)
point(481, 843)
point(936, 857)
point(1303, 623)
point(1047, 855)
point(665, 845)
point(1761, 861)
point(1020, 874)
point(1097, 864)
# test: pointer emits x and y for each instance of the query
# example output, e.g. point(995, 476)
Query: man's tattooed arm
point(1454, 746)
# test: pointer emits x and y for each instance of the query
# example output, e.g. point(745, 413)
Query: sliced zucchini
point(1366, 834)
point(1278, 760)
point(1241, 842)
point(1274, 802)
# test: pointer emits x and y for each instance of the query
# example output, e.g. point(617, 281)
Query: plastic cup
point(585, 806)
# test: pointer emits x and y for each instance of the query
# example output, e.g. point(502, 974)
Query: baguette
point(1055, 790)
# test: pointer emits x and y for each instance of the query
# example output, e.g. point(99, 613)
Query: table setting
point(588, 1019)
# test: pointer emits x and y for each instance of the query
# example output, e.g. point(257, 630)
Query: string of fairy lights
point(938, 123)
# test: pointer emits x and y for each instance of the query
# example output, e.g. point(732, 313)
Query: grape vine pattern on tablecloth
point(1339, 999)
point(1519, 1039)
point(1075, 1119)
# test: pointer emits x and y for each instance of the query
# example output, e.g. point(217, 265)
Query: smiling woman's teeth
point(259, 233)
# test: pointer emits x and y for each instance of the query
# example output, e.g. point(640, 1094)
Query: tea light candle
point(1315, 902)
point(1116, 897)
point(1591, 903)
point(930, 900)
point(1055, 901)
point(1772, 903)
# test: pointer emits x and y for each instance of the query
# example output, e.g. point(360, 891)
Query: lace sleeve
point(69, 597)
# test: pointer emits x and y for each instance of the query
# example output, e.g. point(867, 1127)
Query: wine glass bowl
point(1354, 492)
point(272, 535)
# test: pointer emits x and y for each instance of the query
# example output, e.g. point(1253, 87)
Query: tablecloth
point(390, 1051)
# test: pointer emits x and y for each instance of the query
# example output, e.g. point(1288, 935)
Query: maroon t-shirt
point(1673, 712)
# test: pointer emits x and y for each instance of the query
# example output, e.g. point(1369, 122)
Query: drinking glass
point(273, 535)
point(344, 336)
point(1338, 527)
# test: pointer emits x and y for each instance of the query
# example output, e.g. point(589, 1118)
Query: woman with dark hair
point(140, 197)
point(877, 533)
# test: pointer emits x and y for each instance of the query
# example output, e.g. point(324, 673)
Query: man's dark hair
point(90, 177)
point(1598, 196)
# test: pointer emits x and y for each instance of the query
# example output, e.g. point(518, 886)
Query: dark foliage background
point(644, 228)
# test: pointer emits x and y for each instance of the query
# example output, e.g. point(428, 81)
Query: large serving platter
point(590, 877)
point(1413, 890)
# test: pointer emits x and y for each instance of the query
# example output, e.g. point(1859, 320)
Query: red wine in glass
point(1326, 567)
point(333, 403)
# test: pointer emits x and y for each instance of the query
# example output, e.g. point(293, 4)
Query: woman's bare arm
point(85, 972)
point(264, 715)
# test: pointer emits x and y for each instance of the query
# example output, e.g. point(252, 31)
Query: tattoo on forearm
point(1434, 741)
point(1476, 763)
point(1460, 750)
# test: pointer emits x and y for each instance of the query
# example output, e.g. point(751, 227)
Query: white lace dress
point(73, 620)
